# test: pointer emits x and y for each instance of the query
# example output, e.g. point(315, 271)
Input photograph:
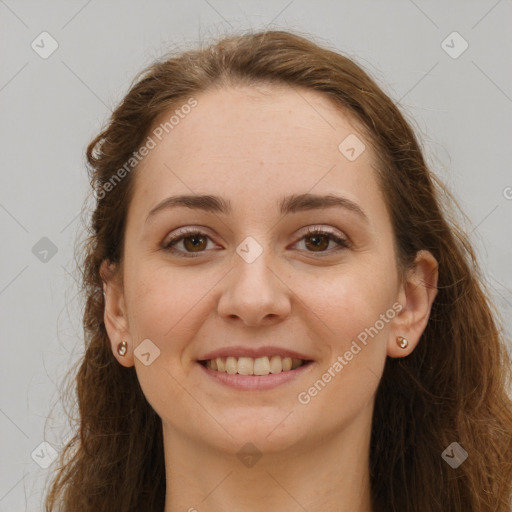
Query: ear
point(417, 295)
point(115, 317)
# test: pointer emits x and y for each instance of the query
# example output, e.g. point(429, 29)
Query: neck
point(315, 474)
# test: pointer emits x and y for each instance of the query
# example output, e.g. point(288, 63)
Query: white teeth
point(261, 366)
point(246, 366)
point(254, 366)
point(231, 365)
point(276, 364)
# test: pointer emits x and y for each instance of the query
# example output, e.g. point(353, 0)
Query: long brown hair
point(452, 388)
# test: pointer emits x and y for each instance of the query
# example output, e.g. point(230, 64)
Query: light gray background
point(51, 108)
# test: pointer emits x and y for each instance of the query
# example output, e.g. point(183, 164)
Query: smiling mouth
point(253, 366)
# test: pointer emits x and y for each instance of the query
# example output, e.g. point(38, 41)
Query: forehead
point(258, 141)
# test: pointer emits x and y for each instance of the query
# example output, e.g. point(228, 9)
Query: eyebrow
point(288, 204)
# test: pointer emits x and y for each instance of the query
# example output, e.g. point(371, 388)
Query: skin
point(252, 146)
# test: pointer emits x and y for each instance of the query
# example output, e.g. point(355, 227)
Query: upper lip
point(241, 351)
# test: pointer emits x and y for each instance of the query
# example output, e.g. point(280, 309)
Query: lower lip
point(256, 382)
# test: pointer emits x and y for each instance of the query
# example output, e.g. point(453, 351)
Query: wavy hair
point(453, 387)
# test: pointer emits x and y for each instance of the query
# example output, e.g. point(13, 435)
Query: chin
point(267, 428)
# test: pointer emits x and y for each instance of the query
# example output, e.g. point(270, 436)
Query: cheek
point(353, 315)
point(168, 301)
point(167, 305)
point(347, 300)
point(165, 300)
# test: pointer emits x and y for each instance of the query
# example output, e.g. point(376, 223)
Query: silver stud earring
point(122, 348)
point(401, 342)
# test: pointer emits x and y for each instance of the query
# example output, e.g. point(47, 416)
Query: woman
point(279, 314)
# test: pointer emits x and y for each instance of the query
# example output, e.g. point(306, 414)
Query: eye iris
point(317, 245)
point(194, 246)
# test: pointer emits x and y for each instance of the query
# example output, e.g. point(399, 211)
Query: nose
point(255, 293)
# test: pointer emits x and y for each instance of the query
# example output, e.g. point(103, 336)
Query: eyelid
point(311, 230)
point(182, 233)
point(186, 232)
point(341, 239)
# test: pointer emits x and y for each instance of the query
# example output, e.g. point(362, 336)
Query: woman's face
point(254, 286)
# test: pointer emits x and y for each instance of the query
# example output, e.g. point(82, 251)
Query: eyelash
point(343, 243)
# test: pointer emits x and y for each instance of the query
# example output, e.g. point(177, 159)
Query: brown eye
point(317, 240)
point(320, 242)
point(194, 243)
